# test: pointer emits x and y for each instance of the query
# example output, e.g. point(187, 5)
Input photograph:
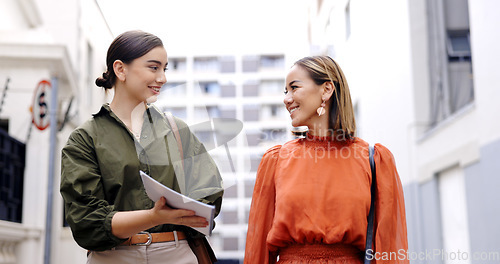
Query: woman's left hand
point(161, 213)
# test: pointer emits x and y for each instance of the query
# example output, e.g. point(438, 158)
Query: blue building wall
point(423, 212)
point(482, 183)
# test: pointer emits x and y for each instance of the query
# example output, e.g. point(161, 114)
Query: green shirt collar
point(154, 125)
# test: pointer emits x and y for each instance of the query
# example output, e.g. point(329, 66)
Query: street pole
point(52, 150)
point(4, 94)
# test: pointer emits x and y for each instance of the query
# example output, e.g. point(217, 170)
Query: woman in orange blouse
point(312, 195)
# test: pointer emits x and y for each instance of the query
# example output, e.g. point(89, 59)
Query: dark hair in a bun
point(104, 81)
point(127, 47)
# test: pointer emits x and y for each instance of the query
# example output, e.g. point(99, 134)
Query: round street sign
point(40, 107)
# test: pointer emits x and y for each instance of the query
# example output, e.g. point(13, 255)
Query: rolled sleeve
point(88, 213)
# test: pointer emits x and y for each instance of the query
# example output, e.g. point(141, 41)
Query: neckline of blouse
point(329, 140)
point(310, 137)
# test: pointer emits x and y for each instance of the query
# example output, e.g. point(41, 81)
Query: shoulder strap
point(175, 129)
point(371, 215)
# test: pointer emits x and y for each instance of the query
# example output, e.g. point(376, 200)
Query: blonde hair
point(341, 117)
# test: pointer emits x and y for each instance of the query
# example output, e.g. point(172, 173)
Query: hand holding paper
point(162, 213)
point(156, 190)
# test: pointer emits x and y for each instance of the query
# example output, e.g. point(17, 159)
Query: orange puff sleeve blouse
point(316, 191)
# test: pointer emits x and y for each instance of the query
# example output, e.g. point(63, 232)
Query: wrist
point(152, 218)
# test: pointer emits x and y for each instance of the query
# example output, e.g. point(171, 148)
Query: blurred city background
point(423, 76)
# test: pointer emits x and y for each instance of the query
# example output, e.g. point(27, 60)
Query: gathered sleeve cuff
point(262, 211)
point(390, 244)
point(87, 212)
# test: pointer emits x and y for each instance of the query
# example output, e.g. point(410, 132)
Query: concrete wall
point(38, 41)
point(449, 171)
point(466, 141)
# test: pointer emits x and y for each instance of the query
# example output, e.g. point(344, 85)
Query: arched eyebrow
point(292, 82)
point(157, 62)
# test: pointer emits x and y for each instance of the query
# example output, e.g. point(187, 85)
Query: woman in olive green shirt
point(105, 201)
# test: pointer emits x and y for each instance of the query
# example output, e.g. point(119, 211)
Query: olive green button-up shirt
point(100, 173)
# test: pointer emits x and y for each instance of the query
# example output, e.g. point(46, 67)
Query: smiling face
point(144, 76)
point(302, 97)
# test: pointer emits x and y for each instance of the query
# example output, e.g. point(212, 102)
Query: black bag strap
point(371, 215)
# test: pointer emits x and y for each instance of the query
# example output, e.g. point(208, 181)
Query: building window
point(251, 89)
point(179, 112)
point(252, 164)
point(177, 64)
point(230, 244)
point(228, 90)
point(231, 192)
point(247, 215)
point(210, 89)
point(273, 135)
point(272, 88)
point(348, 20)
point(250, 64)
point(460, 83)
point(176, 89)
point(249, 184)
point(209, 64)
point(226, 131)
point(272, 61)
point(227, 111)
point(453, 205)
point(12, 163)
point(251, 112)
point(213, 111)
point(206, 112)
point(274, 111)
point(253, 138)
point(450, 58)
point(230, 217)
point(227, 64)
point(4, 124)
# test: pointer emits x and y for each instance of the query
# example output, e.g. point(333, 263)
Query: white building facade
point(423, 78)
point(63, 42)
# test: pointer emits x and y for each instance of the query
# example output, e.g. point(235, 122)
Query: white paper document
point(156, 190)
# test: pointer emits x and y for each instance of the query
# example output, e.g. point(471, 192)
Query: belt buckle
point(147, 243)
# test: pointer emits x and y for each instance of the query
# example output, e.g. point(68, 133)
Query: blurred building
point(423, 75)
point(244, 87)
point(39, 42)
point(64, 43)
